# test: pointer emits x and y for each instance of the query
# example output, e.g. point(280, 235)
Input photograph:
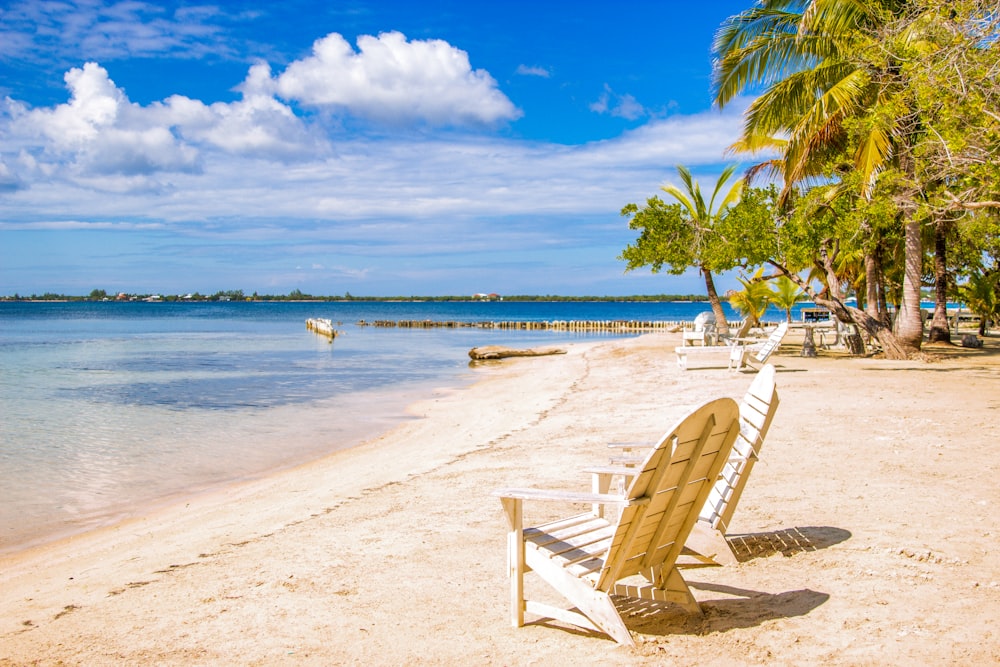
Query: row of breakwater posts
point(609, 326)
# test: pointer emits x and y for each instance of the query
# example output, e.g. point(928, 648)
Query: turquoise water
point(108, 408)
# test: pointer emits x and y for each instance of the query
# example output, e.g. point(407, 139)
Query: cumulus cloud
point(392, 79)
point(102, 131)
point(621, 106)
point(99, 131)
point(258, 125)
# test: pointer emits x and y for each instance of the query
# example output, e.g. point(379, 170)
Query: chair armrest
point(564, 496)
point(629, 445)
point(512, 500)
point(612, 470)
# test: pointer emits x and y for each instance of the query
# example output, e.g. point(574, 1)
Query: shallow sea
point(108, 408)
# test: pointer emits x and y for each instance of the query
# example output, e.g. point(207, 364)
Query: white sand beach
point(867, 531)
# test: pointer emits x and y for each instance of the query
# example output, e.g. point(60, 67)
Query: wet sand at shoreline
point(866, 531)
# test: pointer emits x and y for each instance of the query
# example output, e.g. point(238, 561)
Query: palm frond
point(872, 155)
point(769, 169)
point(757, 144)
point(755, 47)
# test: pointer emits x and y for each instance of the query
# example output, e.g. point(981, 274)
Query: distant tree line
point(298, 295)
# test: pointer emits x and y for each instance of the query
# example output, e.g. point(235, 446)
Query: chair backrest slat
point(678, 475)
point(756, 413)
point(772, 343)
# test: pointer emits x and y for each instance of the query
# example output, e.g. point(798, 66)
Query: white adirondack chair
point(707, 543)
point(708, 538)
point(703, 331)
point(588, 558)
point(758, 353)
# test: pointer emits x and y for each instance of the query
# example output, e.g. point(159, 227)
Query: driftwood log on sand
point(501, 352)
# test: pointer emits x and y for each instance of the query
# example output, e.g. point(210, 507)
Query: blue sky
point(373, 147)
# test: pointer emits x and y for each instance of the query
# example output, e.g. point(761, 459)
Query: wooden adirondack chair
point(721, 352)
point(588, 558)
point(707, 543)
point(758, 353)
point(708, 538)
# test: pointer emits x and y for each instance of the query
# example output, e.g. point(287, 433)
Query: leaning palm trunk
point(872, 326)
point(892, 348)
point(713, 299)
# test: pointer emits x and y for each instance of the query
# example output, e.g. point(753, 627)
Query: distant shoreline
point(148, 298)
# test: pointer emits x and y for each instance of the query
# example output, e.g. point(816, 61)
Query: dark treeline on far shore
point(297, 295)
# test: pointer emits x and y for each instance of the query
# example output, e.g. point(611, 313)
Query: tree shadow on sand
point(787, 542)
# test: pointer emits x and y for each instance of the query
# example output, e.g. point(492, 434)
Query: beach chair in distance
point(703, 330)
point(740, 335)
point(707, 544)
point(587, 558)
point(715, 353)
point(758, 353)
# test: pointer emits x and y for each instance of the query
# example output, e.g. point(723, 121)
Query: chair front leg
point(515, 558)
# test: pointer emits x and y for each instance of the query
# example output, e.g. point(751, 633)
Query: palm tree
point(784, 295)
point(822, 97)
point(752, 300)
point(980, 294)
point(702, 219)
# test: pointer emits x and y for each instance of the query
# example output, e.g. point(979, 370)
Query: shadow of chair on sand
point(787, 542)
point(739, 608)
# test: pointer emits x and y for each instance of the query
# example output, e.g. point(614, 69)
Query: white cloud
point(99, 131)
point(76, 225)
point(386, 191)
point(392, 79)
point(526, 70)
point(45, 31)
point(9, 181)
point(621, 106)
point(254, 167)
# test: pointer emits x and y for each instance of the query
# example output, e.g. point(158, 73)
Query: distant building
point(492, 296)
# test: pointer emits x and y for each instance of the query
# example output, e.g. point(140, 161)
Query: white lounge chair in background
point(587, 558)
point(703, 331)
point(716, 354)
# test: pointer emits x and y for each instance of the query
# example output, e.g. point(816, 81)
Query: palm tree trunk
point(883, 304)
point(872, 283)
point(873, 326)
point(939, 331)
point(873, 274)
point(721, 325)
point(909, 328)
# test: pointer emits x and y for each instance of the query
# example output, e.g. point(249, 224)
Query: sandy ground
point(866, 533)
